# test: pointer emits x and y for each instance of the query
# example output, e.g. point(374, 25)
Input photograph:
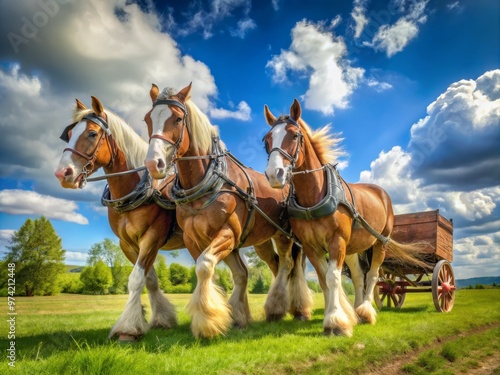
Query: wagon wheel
point(388, 292)
point(443, 286)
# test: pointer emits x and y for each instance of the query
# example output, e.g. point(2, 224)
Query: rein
point(117, 174)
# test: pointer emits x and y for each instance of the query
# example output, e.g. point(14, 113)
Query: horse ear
point(184, 94)
point(270, 118)
point(79, 105)
point(97, 106)
point(295, 110)
point(154, 92)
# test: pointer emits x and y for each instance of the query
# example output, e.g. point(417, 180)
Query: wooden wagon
point(397, 279)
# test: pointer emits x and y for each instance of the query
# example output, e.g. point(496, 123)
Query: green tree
point(111, 254)
point(260, 275)
point(259, 287)
point(179, 274)
point(70, 283)
point(163, 272)
point(222, 277)
point(96, 279)
point(37, 251)
point(193, 279)
point(107, 251)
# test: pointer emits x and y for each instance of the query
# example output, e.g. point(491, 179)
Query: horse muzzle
point(277, 178)
point(68, 178)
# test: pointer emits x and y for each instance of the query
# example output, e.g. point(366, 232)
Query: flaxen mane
point(133, 146)
point(324, 143)
point(200, 129)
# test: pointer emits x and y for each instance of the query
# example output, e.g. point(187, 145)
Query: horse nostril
point(68, 172)
point(160, 164)
point(280, 172)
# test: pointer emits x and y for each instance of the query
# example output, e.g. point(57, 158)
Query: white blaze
point(275, 161)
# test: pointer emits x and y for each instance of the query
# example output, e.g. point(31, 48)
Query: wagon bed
point(396, 278)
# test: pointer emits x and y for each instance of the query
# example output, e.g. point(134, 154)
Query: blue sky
point(413, 86)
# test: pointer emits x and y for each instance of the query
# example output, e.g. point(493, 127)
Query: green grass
point(67, 334)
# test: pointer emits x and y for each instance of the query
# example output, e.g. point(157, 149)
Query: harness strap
point(142, 194)
point(211, 182)
point(335, 195)
point(173, 102)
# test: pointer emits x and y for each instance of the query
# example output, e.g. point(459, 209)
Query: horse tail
point(407, 253)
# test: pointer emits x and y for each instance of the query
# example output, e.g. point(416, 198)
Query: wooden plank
point(416, 218)
point(427, 226)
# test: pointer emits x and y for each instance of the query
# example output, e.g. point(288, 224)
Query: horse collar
point(142, 194)
point(335, 195)
point(210, 184)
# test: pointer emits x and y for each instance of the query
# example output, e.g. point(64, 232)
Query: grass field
point(67, 334)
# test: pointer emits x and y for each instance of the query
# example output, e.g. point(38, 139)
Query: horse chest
point(311, 232)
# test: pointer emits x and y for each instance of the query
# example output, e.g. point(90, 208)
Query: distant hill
point(74, 269)
point(478, 280)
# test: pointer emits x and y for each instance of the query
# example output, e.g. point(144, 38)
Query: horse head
point(283, 144)
point(90, 145)
point(167, 129)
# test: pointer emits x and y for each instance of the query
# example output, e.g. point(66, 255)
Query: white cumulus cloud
point(23, 202)
point(69, 58)
point(242, 113)
point(318, 53)
point(452, 163)
point(394, 38)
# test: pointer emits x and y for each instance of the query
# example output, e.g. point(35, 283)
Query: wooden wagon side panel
point(429, 227)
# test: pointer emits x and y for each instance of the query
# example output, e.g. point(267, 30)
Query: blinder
point(92, 117)
point(65, 134)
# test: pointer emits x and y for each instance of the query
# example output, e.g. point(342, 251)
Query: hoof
point(274, 317)
point(124, 338)
point(301, 318)
point(238, 326)
point(333, 332)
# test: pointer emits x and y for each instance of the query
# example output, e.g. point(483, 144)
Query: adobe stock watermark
point(48, 9)
point(11, 314)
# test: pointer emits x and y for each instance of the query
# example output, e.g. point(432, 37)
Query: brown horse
point(217, 199)
point(327, 219)
point(99, 138)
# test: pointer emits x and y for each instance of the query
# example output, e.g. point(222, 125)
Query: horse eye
point(92, 134)
point(179, 119)
point(295, 136)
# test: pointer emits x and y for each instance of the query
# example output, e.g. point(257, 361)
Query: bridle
point(290, 158)
point(177, 143)
point(88, 168)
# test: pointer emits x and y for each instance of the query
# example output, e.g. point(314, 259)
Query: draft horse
point(328, 220)
point(98, 138)
point(217, 199)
